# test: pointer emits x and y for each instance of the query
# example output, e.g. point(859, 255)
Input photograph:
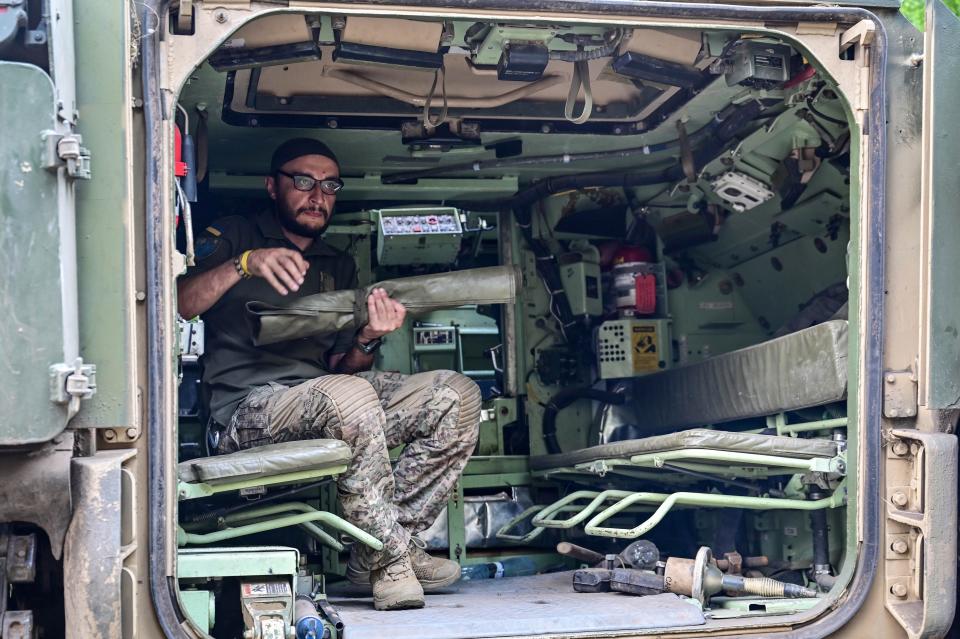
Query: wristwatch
point(370, 347)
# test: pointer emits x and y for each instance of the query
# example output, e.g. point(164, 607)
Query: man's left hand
point(385, 316)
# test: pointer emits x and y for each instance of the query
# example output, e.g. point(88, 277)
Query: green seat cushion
point(267, 461)
point(695, 439)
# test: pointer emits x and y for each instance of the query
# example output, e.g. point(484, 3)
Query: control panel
point(419, 224)
point(421, 235)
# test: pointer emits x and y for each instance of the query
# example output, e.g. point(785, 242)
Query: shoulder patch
point(205, 246)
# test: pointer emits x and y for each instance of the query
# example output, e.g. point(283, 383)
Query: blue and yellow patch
point(205, 246)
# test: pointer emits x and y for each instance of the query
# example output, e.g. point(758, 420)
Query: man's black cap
point(298, 147)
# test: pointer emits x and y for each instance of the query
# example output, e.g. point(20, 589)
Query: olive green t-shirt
point(232, 365)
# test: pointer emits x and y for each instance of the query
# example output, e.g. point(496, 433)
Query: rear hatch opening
point(678, 385)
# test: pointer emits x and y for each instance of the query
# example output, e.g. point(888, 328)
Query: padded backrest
point(806, 368)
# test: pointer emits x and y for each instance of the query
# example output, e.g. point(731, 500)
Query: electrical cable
point(821, 130)
point(186, 120)
point(580, 78)
point(563, 399)
point(549, 272)
point(580, 55)
point(823, 115)
point(184, 205)
point(551, 305)
point(439, 74)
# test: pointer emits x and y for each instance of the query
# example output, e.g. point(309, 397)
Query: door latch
point(67, 151)
point(71, 384)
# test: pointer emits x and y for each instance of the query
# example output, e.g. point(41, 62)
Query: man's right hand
point(283, 268)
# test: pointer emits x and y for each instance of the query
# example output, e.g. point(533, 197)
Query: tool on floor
point(639, 557)
point(700, 579)
point(592, 580)
point(641, 554)
point(636, 582)
point(579, 553)
point(733, 563)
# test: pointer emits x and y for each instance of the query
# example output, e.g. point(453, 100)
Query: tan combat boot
point(395, 587)
point(433, 573)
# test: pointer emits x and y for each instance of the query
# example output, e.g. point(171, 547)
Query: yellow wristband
point(243, 263)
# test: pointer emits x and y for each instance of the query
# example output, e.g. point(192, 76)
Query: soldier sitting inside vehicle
point(321, 387)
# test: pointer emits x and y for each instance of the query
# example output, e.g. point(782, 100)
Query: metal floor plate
point(536, 605)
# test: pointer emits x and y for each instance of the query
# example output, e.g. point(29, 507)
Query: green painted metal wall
point(104, 217)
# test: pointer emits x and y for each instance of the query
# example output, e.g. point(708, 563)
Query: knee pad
point(351, 395)
point(468, 417)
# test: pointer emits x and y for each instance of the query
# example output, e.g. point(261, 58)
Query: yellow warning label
point(645, 355)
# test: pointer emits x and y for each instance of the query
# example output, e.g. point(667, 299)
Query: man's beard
point(288, 220)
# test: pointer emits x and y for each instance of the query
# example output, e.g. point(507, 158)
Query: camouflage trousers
point(435, 414)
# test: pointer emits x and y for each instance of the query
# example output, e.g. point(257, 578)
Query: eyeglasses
point(328, 186)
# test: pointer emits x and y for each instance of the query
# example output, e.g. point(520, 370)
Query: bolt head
point(899, 499)
point(898, 590)
point(900, 547)
point(131, 433)
point(220, 16)
point(109, 435)
point(900, 448)
point(891, 379)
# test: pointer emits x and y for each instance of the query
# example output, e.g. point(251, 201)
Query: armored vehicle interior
point(670, 402)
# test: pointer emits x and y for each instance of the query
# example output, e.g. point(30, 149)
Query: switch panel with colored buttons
point(421, 235)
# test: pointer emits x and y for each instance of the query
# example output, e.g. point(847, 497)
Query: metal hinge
point(899, 394)
point(184, 18)
point(921, 508)
point(860, 38)
point(66, 150)
point(861, 34)
point(71, 384)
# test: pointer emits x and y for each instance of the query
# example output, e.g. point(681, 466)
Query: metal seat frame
point(265, 518)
